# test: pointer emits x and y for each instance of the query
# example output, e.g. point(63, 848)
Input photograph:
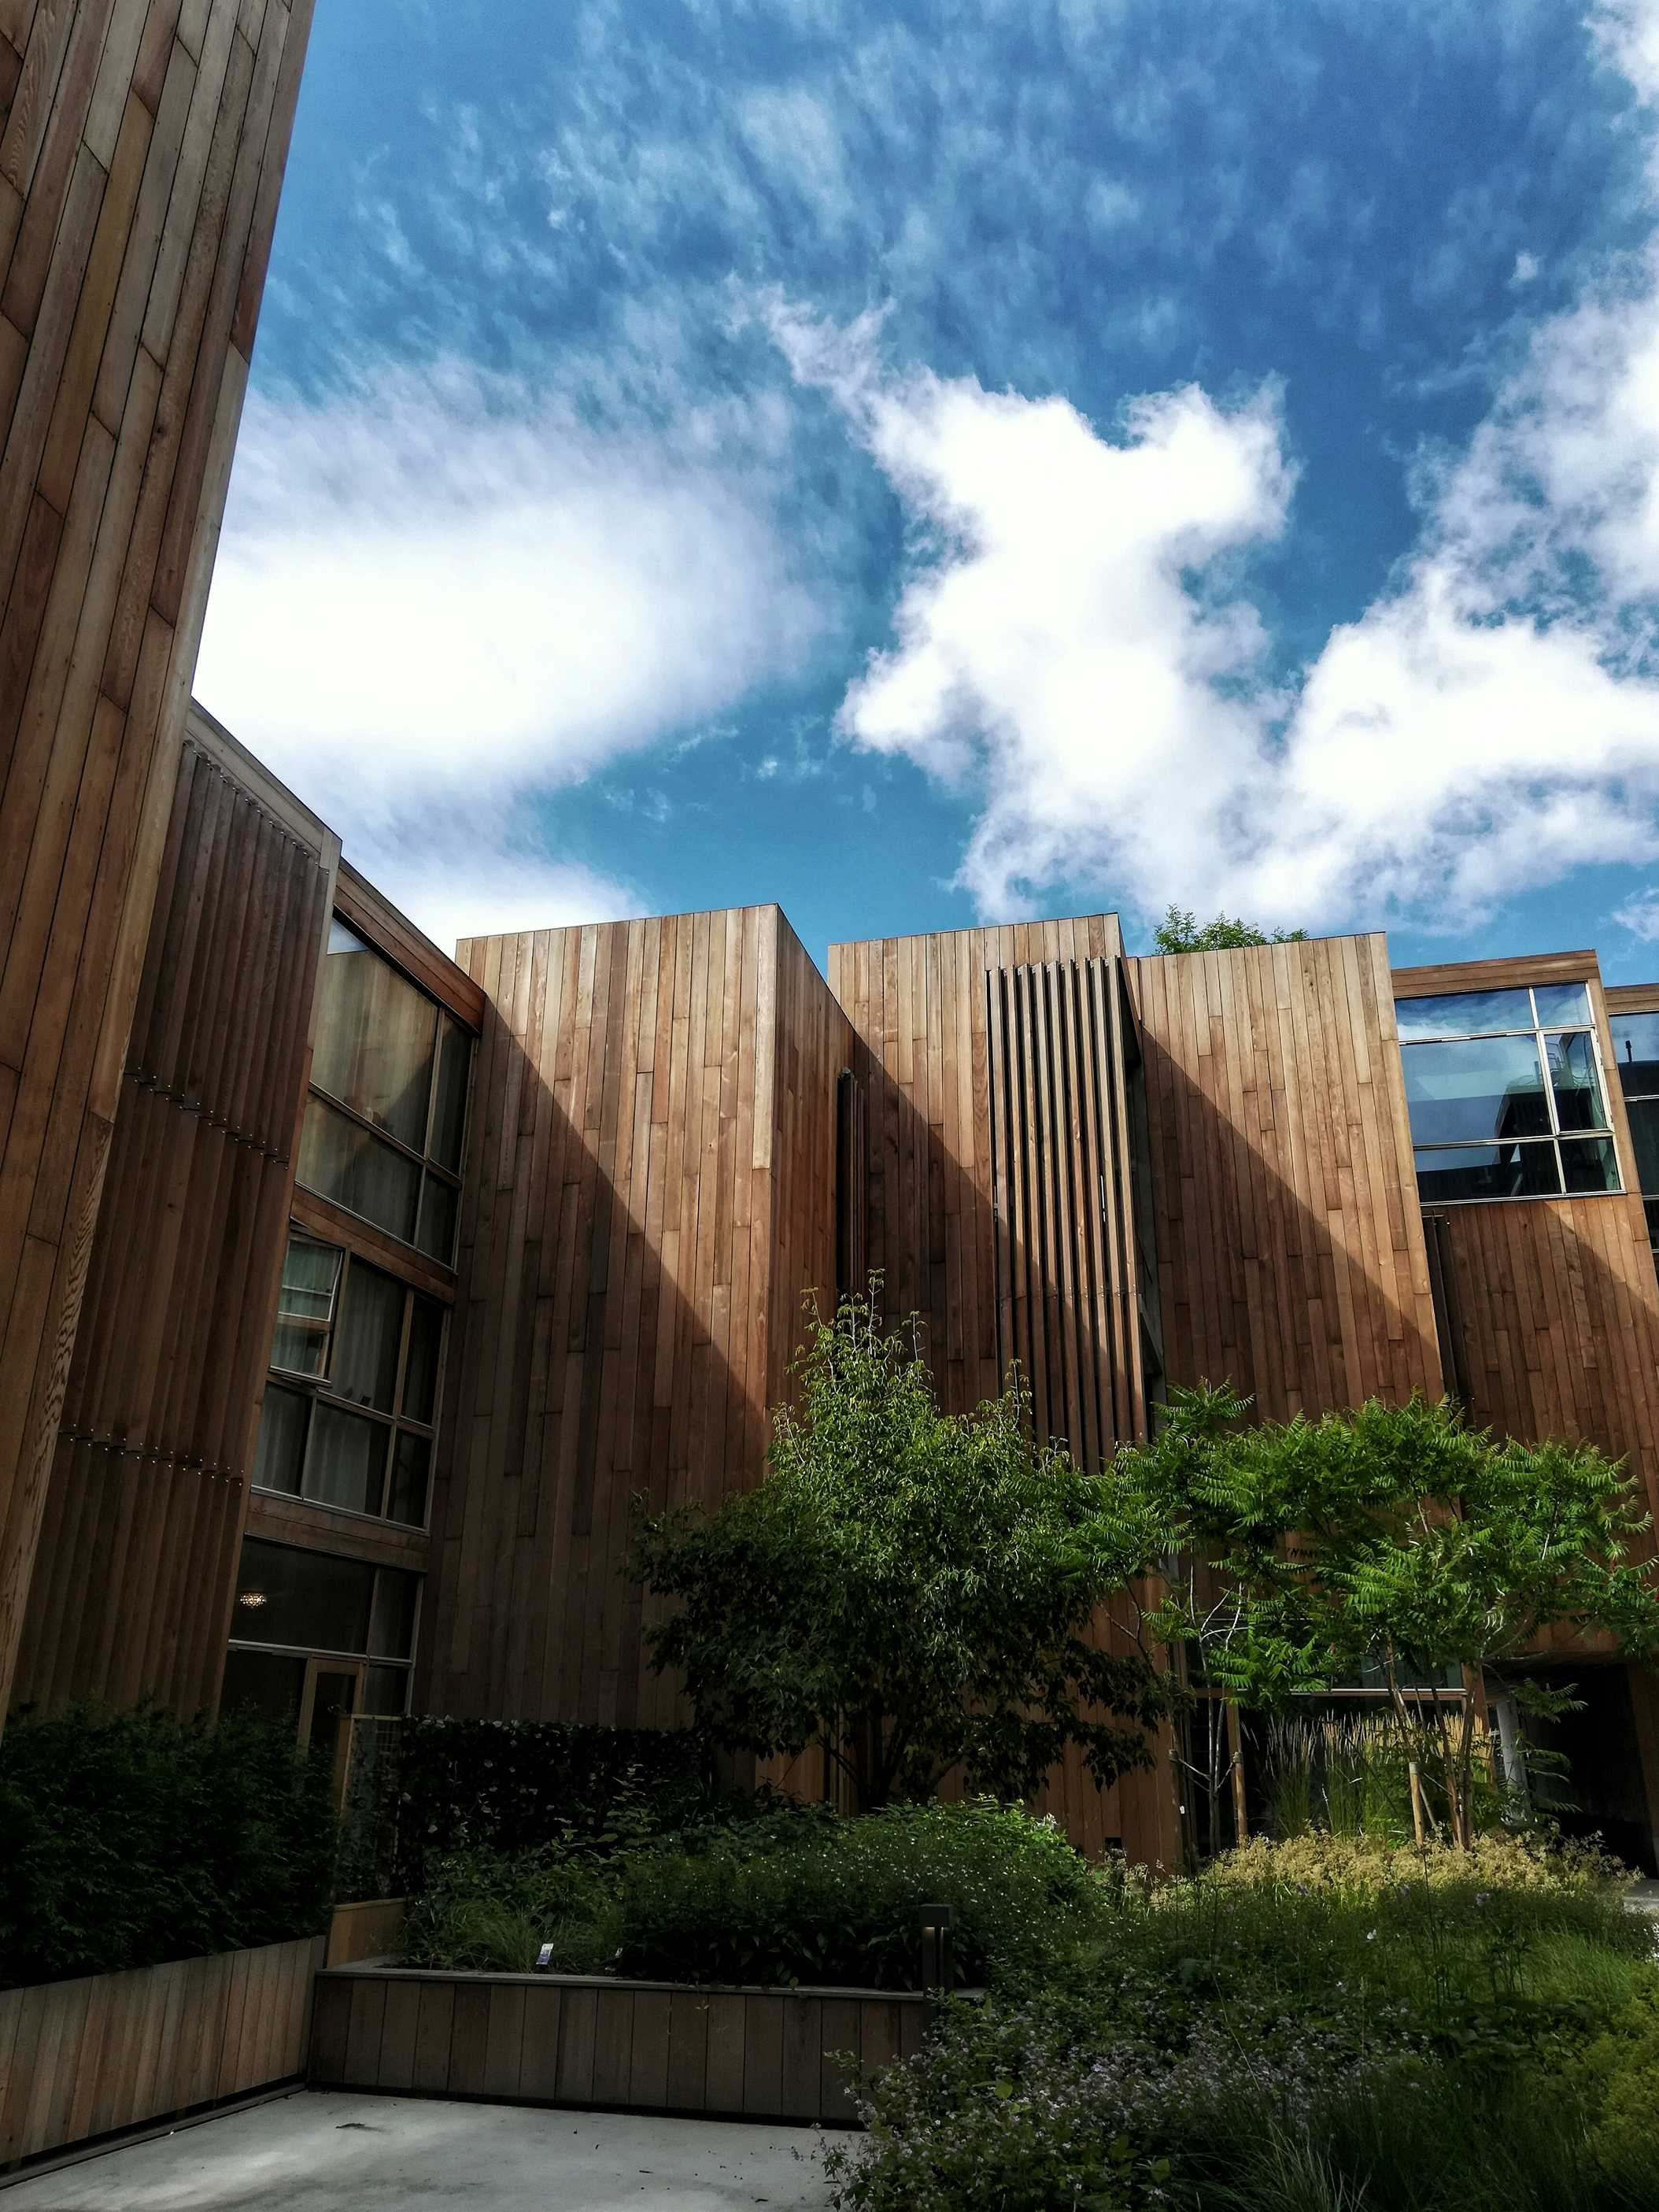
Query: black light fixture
point(937, 1943)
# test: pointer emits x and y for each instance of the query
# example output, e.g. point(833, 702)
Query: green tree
point(1179, 931)
point(1393, 1533)
point(910, 1590)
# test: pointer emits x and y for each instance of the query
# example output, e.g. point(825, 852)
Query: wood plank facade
point(142, 147)
point(150, 1489)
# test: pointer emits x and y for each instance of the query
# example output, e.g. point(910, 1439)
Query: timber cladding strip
point(136, 1558)
point(1290, 1239)
point(142, 147)
point(649, 1195)
point(630, 2046)
point(85, 2058)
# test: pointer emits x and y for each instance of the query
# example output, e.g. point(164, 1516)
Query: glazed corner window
point(387, 1120)
point(1506, 1095)
point(294, 1607)
point(1636, 1055)
point(351, 1403)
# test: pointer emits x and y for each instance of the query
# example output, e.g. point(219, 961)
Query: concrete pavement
point(327, 2151)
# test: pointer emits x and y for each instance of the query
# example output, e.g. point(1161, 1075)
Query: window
point(298, 1611)
point(1636, 1053)
point(385, 1123)
point(1506, 1094)
point(351, 1406)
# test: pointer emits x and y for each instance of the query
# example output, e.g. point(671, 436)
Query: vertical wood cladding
point(1290, 1240)
point(141, 146)
point(137, 1560)
point(920, 1012)
point(650, 1193)
point(981, 1221)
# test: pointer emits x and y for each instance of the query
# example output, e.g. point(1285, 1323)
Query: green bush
point(127, 1839)
point(783, 1897)
point(1319, 2026)
point(514, 1786)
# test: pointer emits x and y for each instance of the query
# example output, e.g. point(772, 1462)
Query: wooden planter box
point(85, 2058)
point(592, 2041)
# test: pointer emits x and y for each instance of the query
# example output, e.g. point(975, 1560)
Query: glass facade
point(351, 1405)
point(386, 1125)
point(1635, 1055)
point(302, 1612)
point(1506, 1094)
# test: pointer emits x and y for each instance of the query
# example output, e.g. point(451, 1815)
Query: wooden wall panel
point(918, 1007)
point(1289, 1243)
point(142, 147)
point(645, 1092)
point(136, 1564)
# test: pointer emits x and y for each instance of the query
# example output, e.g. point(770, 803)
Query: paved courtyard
point(327, 2151)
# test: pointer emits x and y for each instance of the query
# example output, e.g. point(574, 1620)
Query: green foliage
point(1179, 931)
point(783, 1898)
point(908, 1589)
point(127, 1839)
point(511, 1786)
point(1311, 1547)
point(1350, 1774)
point(1327, 2025)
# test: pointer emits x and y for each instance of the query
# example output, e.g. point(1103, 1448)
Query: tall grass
point(1349, 1774)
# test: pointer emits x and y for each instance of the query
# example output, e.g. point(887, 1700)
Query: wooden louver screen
point(1058, 1167)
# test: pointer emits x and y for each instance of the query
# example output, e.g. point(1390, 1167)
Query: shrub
point(783, 1897)
point(513, 1786)
point(127, 1839)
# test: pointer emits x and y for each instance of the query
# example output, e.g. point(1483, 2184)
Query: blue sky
point(934, 461)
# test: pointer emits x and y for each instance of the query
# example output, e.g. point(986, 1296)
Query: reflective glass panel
point(410, 1467)
point(1652, 1211)
point(426, 1336)
point(309, 1599)
point(1578, 1101)
point(268, 1682)
point(343, 1162)
point(1644, 1134)
point(1636, 1049)
point(369, 1338)
point(375, 1038)
point(386, 1690)
point(347, 1463)
point(1468, 1090)
point(436, 1233)
point(305, 1307)
point(281, 1449)
point(1588, 1164)
point(1463, 1013)
point(391, 1631)
point(1562, 1006)
point(449, 1103)
point(1488, 1171)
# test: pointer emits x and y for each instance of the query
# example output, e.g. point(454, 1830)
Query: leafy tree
point(910, 1590)
point(1179, 931)
point(1388, 1532)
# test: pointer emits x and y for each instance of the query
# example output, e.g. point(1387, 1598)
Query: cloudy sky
point(929, 460)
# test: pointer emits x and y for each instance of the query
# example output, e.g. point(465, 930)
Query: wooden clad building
point(412, 1274)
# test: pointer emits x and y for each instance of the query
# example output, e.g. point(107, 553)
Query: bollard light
point(937, 1943)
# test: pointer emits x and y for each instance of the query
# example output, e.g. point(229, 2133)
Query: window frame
point(361, 1660)
point(1650, 1198)
point(315, 1388)
point(424, 1162)
point(1540, 1032)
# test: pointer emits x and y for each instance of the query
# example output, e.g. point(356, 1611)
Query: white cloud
point(1074, 641)
point(444, 593)
point(1640, 915)
point(1526, 268)
point(469, 885)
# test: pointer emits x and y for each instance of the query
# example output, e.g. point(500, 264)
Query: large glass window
point(295, 1607)
point(1635, 1055)
point(1506, 1094)
point(351, 1405)
point(385, 1124)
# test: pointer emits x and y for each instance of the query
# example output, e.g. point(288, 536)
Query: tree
point(1179, 931)
point(910, 1590)
point(1393, 1533)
